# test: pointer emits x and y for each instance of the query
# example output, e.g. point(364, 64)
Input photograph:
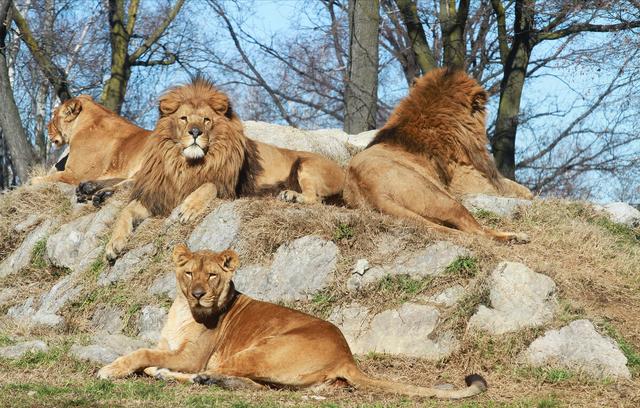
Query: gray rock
point(502, 206)
point(108, 319)
point(327, 142)
point(430, 261)
point(519, 298)
point(408, 331)
point(165, 284)
point(447, 298)
point(623, 213)
point(128, 265)
point(20, 349)
point(218, 230)
point(107, 348)
point(29, 222)
point(7, 295)
point(22, 313)
point(78, 243)
point(22, 255)
point(151, 321)
point(299, 269)
point(578, 347)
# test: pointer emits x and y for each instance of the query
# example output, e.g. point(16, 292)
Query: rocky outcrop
point(299, 269)
point(106, 348)
point(22, 255)
point(501, 206)
point(128, 265)
point(580, 348)
point(519, 298)
point(430, 261)
point(150, 322)
point(20, 349)
point(218, 230)
point(622, 213)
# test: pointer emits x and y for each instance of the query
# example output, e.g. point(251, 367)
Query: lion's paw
point(113, 370)
point(290, 196)
point(99, 197)
point(162, 374)
point(114, 248)
point(188, 211)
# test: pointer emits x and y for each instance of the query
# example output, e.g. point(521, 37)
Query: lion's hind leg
point(312, 180)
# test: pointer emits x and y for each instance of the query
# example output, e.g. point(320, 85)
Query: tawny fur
point(102, 145)
point(231, 164)
point(215, 335)
point(431, 151)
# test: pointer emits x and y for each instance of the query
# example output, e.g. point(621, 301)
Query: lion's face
point(204, 278)
point(63, 118)
point(193, 128)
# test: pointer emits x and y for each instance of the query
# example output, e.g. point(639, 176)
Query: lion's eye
point(213, 276)
point(188, 274)
point(183, 118)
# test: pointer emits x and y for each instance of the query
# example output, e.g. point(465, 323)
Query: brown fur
point(180, 170)
point(431, 150)
point(215, 335)
point(102, 145)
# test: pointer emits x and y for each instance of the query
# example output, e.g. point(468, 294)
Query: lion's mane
point(166, 178)
point(444, 119)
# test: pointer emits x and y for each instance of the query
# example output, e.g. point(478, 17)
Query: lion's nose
point(198, 293)
point(195, 132)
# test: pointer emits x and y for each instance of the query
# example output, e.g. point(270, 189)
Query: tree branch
point(157, 33)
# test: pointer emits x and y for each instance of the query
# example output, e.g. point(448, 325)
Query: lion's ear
point(479, 101)
point(181, 254)
point(168, 106)
point(71, 110)
point(221, 105)
point(229, 260)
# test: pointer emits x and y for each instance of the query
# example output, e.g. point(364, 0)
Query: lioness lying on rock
point(216, 335)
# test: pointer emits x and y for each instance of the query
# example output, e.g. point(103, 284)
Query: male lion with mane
point(216, 335)
point(103, 147)
point(431, 150)
point(199, 152)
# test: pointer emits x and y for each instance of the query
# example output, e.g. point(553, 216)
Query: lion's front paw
point(290, 196)
point(100, 197)
point(114, 248)
point(190, 210)
point(114, 370)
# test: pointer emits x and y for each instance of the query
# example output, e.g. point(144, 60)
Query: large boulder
point(407, 330)
point(164, 285)
point(623, 213)
point(519, 298)
point(218, 230)
point(78, 243)
point(502, 206)
point(299, 269)
point(430, 261)
point(327, 142)
point(578, 347)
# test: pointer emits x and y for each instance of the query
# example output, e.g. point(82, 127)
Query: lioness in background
point(199, 152)
point(103, 147)
point(215, 335)
point(432, 150)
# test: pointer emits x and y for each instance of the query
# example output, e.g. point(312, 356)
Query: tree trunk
point(452, 23)
point(21, 152)
point(361, 93)
point(116, 86)
point(424, 56)
point(515, 68)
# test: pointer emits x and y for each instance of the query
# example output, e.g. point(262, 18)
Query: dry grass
point(594, 263)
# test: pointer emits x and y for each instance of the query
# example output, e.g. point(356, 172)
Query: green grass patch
point(97, 266)
point(464, 266)
point(343, 231)
point(35, 359)
point(6, 340)
point(629, 351)
point(622, 233)
point(38, 259)
point(488, 217)
point(322, 303)
point(402, 285)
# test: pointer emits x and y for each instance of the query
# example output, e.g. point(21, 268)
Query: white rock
point(623, 213)
point(20, 349)
point(430, 261)
point(328, 142)
point(299, 269)
point(22, 255)
point(151, 321)
point(218, 230)
point(165, 284)
point(449, 297)
point(502, 206)
point(78, 243)
point(106, 348)
point(128, 265)
point(578, 347)
point(408, 331)
point(362, 140)
point(519, 298)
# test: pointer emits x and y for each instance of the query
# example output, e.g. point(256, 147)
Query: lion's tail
point(475, 385)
